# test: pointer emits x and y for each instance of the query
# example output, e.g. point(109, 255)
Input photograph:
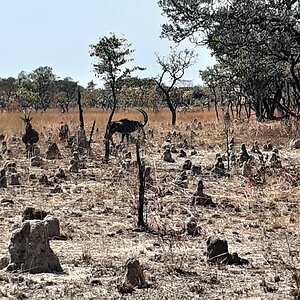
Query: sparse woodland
point(201, 202)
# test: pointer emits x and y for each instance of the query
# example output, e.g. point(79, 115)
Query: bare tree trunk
point(238, 108)
point(174, 117)
point(230, 108)
point(81, 137)
point(141, 168)
point(113, 88)
point(92, 132)
point(216, 104)
point(106, 155)
point(81, 120)
point(247, 107)
point(172, 109)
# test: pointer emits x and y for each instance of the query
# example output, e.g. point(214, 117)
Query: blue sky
point(57, 33)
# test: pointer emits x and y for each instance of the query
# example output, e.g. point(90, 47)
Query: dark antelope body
point(126, 126)
point(30, 136)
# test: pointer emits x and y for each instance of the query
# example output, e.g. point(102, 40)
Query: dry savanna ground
point(97, 210)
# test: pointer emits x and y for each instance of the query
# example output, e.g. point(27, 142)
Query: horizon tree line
point(256, 45)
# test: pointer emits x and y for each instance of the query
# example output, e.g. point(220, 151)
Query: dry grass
point(97, 209)
point(11, 121)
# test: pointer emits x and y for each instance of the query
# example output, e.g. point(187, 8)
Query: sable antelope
point(126, 126)
point(30, 136)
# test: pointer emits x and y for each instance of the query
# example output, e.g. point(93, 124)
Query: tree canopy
point(256, 45)
point(112, 53)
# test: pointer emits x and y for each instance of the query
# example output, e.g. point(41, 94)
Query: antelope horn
point(144, 114)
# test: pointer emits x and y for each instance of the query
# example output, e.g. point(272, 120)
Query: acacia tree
point(173, 68)
point(111, 54)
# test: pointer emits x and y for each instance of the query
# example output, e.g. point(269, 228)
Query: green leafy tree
point(7, 91)
point(111, 54)
point(65, 93)
point(26, 98)
point(92, 96)
point(256, 45)
point(134, 91)
point(41, 83)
